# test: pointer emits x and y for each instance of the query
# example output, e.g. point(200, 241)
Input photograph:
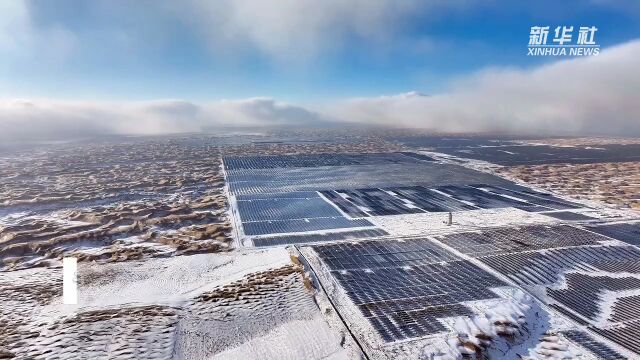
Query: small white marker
point(70, 280)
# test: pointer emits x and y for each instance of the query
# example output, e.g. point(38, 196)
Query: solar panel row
point(569, 262)
point(404, 287)
point(625, 309)
point(568, 216)
point(287, 195)
point(620, 265)
point(547, 154)
point(343, 204)
point(428, 174)
point(487, 200)
point(534, 197)
point(582, 294)
point(318, 160)
point(627, 232)
point(311, 238)
point(537, 268)
point(387, 253)
point(285, 209)
point(626, 335)
point(429, 200)
point(418, 199)
point(302, 225)
point(407, 325)
point(378, 202)
point(602, 351)
point(508, 240)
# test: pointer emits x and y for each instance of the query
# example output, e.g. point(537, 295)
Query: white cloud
point(14, 21)
point(580, 95)
point(50, 119)
point(21, 39)
point(597, 95)
point(291, 30)
point(303, 29)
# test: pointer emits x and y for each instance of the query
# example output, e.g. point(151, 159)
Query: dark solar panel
point(538, 268)
point(345, 205)
point(583, 290)
point(508, 240)
point(487, 200)
point(529, 195)
point(318, 160)
point(287, 195)
point(404, 287)
point(627, 232)
point(602, 351)
point(626, 308)
point(626, 335)
point(311, 238)
point(545, 154)
point(302, 225)
point(428, 174)
point(378, 202)
point(285, 209)
point(569, 264)
point(568, 215)
point(430, 200)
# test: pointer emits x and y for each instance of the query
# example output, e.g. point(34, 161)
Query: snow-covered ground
point(436, 223)
point(230, 305)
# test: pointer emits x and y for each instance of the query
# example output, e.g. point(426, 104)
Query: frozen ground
point(235, 305)
point(436, 223)
point(193, 307)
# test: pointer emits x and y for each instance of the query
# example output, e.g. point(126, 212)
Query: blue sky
point(145, 50)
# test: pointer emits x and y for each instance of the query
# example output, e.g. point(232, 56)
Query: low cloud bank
point(48, 119)
point(595, 95)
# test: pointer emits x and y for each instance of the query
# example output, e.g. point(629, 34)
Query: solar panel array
point(287, 195)
point(509, 240)
point(429, 200)
point(602, 351)
point(312, 238)
point(285, 209)
point(264, 214)
point(419, 199)
point(318, 160)
point(570, 263)
point(302, 225)
point(627, 232)
point(629, 265)
point(430, 174)
point(626, 335)
point(518, 154)
point(404, 287)
point(274, 194)
point(626, 308)
point(568, 216)
point(484, 199)
point(537, 268)
point(532, 196)
point(373, 201)
point(623, 326)
point(583, 290)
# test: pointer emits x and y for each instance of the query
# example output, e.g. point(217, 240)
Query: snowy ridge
point(510, 329)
